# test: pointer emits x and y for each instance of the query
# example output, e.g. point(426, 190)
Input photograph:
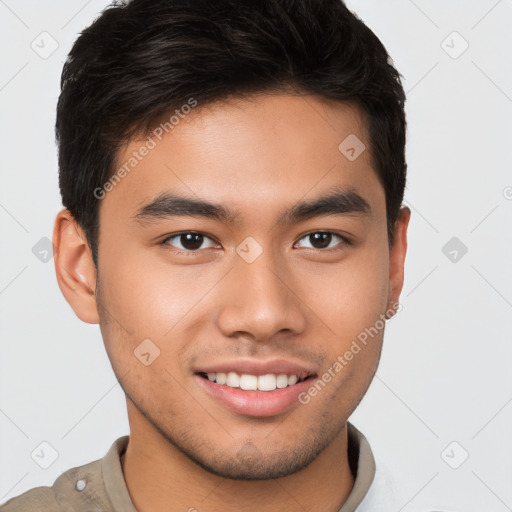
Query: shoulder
point(384, 493)
point(65, 494)
point(37, 499)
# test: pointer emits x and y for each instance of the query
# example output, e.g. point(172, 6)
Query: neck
point(160, 477)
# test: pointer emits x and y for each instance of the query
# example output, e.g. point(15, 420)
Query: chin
point(250, 462)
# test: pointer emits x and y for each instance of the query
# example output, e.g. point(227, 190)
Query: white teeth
point(292, 379)
point(282, 381)
point(267, 382)
point(233, 380)
point(247, 382)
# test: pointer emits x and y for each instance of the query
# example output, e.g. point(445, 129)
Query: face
point(220, 321)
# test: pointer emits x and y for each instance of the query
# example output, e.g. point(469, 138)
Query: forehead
point(253, 155)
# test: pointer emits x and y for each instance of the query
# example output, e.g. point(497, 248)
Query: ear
point(76, 273)
point(397, 259)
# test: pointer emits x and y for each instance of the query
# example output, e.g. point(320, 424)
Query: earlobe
point(75, 270)
point(397, 260)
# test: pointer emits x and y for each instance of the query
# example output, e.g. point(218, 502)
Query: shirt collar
point(113, 478)
point(362, 464)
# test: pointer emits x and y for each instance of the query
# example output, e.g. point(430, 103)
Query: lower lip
point(255, 403)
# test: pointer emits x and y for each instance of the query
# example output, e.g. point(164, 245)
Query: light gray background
point(445, 373)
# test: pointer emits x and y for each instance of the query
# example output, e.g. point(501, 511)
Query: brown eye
point(323, 240)
point(320, 240)
point(191, 241)
point(188, 241)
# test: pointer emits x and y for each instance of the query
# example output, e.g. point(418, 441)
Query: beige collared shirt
point(100, 486)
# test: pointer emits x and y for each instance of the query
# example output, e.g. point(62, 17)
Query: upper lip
point(258, 367)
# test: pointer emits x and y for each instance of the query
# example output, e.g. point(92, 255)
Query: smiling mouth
point(249, 382)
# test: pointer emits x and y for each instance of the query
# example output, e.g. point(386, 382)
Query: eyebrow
point(337, 201)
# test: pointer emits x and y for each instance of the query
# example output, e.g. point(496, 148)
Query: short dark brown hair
point(142, 59)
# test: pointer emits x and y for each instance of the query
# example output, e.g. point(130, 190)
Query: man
point(232, 175)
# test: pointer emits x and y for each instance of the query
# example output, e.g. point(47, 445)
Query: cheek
point(348, 297)
point(150, 299)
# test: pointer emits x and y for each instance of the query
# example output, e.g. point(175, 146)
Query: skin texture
point(295, 302)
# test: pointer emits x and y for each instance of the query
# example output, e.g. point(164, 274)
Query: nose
point(258, 300)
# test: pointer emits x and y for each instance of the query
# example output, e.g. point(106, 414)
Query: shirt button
point(80, 485)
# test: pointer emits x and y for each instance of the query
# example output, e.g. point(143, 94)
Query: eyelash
point(345, 242)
